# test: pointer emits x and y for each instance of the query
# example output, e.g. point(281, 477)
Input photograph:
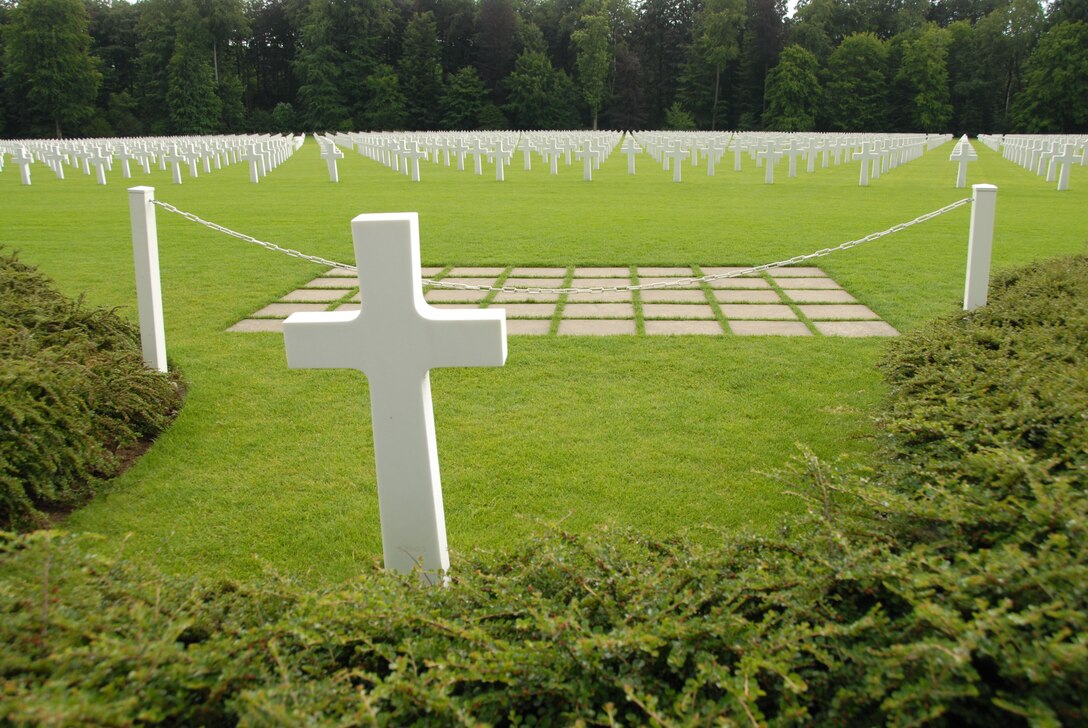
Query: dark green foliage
point(540, 97)
point(793, 92)
point(989, 408)
point(1055, 95)
point(73, 393)
point(857, 85)
point(420, 71)
point(48, 65)
point(950, 587)
point(387, 108)
point(465, 96)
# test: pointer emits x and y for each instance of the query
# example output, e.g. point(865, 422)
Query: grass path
point(273, 467)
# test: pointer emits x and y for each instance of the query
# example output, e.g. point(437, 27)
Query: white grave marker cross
point(395, 340)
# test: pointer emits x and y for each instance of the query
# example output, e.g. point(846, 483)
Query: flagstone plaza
point(800, 301)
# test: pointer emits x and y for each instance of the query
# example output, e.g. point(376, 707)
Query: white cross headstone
point(175, 159)
point(24, 159)
point(256, 164)
point(330, 153)
point(586, 155)
point(677, 155)
point(867, 154)
point(412, 154)
point(395, 340)
point(769, 157)
point(1065, 161)
point(963, 153)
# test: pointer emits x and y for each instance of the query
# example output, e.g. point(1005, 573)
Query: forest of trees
point(156, 67)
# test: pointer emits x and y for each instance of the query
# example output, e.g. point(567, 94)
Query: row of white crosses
point(406, 152)
point(97, 156)
point(878, 153)
point(1052, 155)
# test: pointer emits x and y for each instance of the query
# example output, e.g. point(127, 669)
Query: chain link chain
point(594, 289)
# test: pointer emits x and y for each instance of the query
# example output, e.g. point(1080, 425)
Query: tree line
point(156, 67)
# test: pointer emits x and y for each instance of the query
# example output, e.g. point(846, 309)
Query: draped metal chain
point(593, 289)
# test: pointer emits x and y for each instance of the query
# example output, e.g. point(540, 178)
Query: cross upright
point(175, 159)
point(551, 150)
point(677, 155)
point(962, 153)
point(98, 160)
point(412, 154)
point(631, 149)
point(769, 156)
point(1065, 161)
point(395, 340)
point(256, 163)
point(868, 153)
point(330, 153)
point(587, 156)
point(793, 151)
point(24, 159)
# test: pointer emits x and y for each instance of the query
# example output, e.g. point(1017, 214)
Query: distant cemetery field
point(270, 467)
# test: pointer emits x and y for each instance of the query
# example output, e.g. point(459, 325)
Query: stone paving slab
point(534, 282)
point(719, 270)
point(769, 328)
point(538, 272)
point(674, 272)
point(757, 311)
point(326, 283)
point(745, 283)
point(529, 327)
point(315, 295)
point(749, 305)
point(746, 296)
point(595, 327)
point(671, 295)
point(598, 310)
point(819, 296)
point(832, 311)
point(599, 282)
point(648, 280)
point(283, 310)
point(800, 271)
point(603, 297)
point(678, 328)
point(487, 271)
point(677, 311)
point(805, 283)
point(506, 297)
point(855, 328)
point(342, 273)
point(527, 310)
point(251, 325)
point(602, 272)
point(451, 295)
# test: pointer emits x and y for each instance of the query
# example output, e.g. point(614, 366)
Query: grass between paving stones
point(267, 466)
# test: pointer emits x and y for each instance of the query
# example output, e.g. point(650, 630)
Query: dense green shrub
point(956, 595)
point(73, 395)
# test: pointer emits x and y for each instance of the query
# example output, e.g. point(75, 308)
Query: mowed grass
point(273, 468)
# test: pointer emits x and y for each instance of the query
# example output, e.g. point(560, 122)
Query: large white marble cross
point(396, 339)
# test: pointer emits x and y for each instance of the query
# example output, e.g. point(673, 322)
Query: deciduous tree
point(48, 65)
point(857, 87)
point(1055, 95)
point(593, 60)
point(793, 91)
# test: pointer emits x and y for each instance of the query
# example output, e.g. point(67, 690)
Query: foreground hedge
point(946, 587)
point(74, 395)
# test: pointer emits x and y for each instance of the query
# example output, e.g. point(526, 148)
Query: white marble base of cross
point(395, 340)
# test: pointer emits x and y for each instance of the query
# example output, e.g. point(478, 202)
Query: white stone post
point(145, 254)
point(979, 246)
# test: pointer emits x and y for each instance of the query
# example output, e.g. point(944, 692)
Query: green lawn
point(268, 467)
